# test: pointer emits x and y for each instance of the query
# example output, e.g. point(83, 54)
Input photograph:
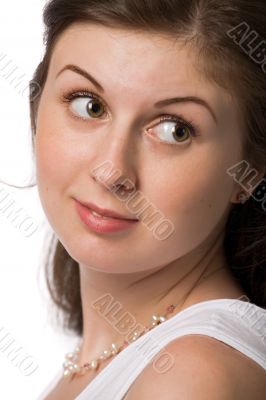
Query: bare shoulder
point(199, 368)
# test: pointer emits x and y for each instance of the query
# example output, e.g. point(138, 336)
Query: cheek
point(55, 164)
point(51, 160)
point(194, 194)
point(54, 150)
point(56, 154)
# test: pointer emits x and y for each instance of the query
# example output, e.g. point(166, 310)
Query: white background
point(25, 310)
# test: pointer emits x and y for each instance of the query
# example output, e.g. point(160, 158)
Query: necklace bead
point(71, 368)
point(94, 364)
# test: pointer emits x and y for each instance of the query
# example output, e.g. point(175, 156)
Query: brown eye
point(173, 131)
point(87, 107)
point(181, 133)
point(95, 109)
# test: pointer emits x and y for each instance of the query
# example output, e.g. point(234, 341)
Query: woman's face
point(179, 166)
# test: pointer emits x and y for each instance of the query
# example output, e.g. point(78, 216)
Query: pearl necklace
point(71, 368)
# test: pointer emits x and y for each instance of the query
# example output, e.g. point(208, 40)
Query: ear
point(247, 185)
point(240, 197)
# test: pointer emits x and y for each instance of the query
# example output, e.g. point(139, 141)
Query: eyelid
point(78, 92)
point(81, 92)
point(178, 118)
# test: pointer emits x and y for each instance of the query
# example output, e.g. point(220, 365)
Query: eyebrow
point(159, 104)
point(82, 72)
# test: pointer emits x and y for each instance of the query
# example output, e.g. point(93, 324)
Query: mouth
point(105, 213)
point(100, 223)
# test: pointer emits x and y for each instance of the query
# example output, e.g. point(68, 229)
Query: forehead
point(138, 62)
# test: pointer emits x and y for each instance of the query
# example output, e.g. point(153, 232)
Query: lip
point(99, 223)
point(105, 212)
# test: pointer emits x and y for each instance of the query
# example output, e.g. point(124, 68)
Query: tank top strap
point(238, 323)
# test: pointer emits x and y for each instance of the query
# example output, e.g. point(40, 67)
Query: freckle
point(210, 206)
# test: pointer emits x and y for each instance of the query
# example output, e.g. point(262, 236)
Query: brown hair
point(205, 24)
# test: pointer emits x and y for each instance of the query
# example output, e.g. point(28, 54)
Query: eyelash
point(76, 93)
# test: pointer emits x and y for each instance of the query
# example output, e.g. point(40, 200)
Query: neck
point(107, 297)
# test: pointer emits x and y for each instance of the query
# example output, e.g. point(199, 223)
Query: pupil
point(94, 107)
point(180, 132)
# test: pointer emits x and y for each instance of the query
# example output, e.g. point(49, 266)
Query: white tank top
point(238, 323)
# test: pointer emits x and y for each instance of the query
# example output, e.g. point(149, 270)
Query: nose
point(114, 165)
